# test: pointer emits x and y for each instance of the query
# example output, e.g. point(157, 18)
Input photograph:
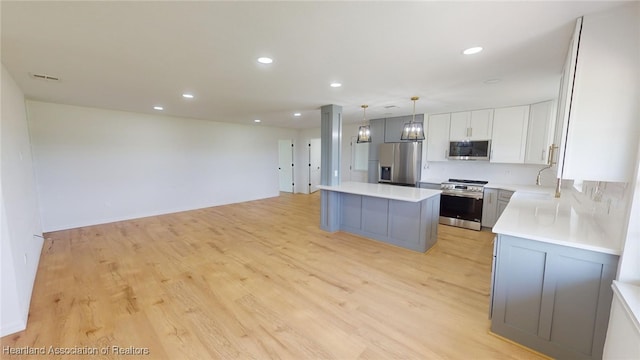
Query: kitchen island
point(398, 215)
point(553, 270)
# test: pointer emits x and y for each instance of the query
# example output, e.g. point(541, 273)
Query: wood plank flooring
point(260, 280)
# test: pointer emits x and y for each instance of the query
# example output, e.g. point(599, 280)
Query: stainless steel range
point(461, 203)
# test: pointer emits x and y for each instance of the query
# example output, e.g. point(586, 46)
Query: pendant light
point(364, 132)
point(413, 130)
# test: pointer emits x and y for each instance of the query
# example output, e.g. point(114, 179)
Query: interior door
point(359, 167)
point(314, 164)
point(285, 165)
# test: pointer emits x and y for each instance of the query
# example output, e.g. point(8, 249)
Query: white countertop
point(629, 296)
point(384, 191)
point(542, 217)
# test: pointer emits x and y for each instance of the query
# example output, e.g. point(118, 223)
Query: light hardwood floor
point(260, 280)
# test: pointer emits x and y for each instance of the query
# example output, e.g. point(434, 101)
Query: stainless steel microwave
point(470, 150)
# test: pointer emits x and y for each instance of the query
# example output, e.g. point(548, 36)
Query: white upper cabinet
point(471, 125)
point(509, 134)
point(540, 133)
point(438, 137)
point(599, 102)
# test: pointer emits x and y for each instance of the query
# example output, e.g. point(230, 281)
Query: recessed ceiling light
point(297, 114)
point(472, 50)
point(335, 85)
point(158, 108)
point(265, 60)
point(187, 96)
point(492, 81)
point(257, 120)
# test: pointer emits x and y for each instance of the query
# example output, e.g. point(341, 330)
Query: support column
point(331, 139)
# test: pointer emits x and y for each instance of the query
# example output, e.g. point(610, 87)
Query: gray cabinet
point(412, 225)
point(503, 200)
point(393, 127)
point(490, 207)
point(377, 137)
point(431, 186)
point(493, 204)
point(554, 299)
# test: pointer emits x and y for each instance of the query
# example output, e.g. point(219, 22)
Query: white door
point(359, 161)
point(314, 164)
point(285, 165)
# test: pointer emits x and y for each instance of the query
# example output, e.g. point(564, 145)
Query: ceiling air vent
point(44, 77)
point(390, 107)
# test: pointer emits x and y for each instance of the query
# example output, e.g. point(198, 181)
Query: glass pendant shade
point(364, 132)
point(412, 131)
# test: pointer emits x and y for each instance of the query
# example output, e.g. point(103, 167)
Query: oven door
point(461, 211)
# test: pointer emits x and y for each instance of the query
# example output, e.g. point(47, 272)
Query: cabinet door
point(508, 142)
point(438, 137)
point(602, 137)
point(460, 125)
point(501, 206)
point(519, 282)
point(393, 127)
point(539, 133)
point(481, 124)
point(577, 300)
point(554, 299)
point(489, 207)
point(564, 98)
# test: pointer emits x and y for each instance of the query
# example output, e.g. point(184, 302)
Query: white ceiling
point(134, 55)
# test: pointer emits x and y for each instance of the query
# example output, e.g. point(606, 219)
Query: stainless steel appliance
point(461, 203)
point(470, 150)
point(400, 163)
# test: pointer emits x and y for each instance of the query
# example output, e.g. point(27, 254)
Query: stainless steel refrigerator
point(400, 163)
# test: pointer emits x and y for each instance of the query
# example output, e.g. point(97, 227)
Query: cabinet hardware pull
point(542, 155)
point(552, 150)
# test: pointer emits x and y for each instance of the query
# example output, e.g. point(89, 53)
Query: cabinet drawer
point(504, 195)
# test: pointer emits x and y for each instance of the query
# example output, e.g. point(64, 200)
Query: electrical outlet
point(25, 259)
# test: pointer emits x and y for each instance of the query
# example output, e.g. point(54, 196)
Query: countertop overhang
point(385, 191)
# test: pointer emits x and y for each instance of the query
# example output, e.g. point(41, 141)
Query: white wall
point(96, 166)
point(20, 232)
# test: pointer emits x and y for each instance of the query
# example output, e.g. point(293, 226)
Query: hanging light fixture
point(413, 130)
point(364, 132)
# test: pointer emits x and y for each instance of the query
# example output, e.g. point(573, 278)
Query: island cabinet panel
point(403, 226)
point(375, 216)
point(351, 212)
point(552, 298)
point(398, 215)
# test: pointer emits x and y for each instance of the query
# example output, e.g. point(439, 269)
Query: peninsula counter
point(398, 215)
